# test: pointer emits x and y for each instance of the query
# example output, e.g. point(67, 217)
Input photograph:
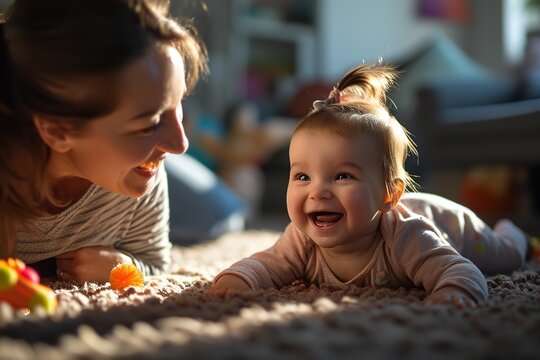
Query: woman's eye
point(150, 130)
point(343, 176)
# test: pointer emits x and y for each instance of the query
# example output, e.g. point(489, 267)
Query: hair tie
point(333, 98)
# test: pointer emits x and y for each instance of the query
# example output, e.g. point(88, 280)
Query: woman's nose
point(173, 135)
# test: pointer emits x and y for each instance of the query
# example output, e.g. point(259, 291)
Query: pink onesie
point(427, 242)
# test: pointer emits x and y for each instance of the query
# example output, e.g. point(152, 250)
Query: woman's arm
point(139, 236)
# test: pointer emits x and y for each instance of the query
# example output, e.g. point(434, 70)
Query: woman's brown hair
point(46, 43)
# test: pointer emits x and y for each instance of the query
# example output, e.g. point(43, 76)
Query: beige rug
point(170, 317)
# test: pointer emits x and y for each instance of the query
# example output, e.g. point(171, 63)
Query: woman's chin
point(136, 189)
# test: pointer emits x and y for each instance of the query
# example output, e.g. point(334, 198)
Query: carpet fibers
point(171, 317)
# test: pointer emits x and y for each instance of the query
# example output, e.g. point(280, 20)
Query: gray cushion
point(202, 206)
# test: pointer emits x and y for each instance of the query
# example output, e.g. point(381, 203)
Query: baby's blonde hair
point(357, 105)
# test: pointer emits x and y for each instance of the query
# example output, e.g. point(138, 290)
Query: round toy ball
point(123, 276)
point(8, 278)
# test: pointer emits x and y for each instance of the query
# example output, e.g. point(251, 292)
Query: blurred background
point(469, 92)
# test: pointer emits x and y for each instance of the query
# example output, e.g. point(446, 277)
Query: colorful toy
point(20, 287)
point(125, 275)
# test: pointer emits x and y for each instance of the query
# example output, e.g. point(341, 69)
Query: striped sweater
point(138, 227)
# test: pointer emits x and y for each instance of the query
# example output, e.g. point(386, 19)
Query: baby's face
point(336, 189)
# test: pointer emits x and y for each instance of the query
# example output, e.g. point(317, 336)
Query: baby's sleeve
point(421, 254)
point(275, 267)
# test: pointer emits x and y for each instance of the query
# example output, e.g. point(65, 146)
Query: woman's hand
point(227, 284)
point(92, 264)
point(451, 295)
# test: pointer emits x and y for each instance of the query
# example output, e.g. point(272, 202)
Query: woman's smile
point(149, 168)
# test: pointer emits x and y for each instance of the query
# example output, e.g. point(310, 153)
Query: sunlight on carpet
point(171, 317)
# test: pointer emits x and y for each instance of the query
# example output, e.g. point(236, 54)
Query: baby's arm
point(423, 256)
point(226, 284)
point(276, 267)
point(451, 295)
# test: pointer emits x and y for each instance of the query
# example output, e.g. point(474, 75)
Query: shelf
point(269, 50)
point(273, 29)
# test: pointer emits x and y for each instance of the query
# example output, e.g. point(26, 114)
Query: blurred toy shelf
point(276, 29)
point(273, 44)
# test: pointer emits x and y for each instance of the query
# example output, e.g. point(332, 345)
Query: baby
point(352, 223)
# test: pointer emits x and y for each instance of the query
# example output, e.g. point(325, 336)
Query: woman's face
point(123, 150)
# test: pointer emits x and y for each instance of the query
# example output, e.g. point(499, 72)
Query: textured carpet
point(170, 317)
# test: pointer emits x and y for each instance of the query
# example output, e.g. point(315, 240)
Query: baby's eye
point(301, 177)
point(343, 176)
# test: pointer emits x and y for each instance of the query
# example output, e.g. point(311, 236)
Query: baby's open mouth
point(325, 218)
point(150, 165)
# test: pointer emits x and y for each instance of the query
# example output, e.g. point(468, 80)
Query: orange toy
point(125, 275)
point(20, 287)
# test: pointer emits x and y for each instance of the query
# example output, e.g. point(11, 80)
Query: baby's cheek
point(360, 205)
point(294, 204)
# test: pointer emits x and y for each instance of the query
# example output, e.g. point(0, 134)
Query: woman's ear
point(54, 134)
point(392, 199)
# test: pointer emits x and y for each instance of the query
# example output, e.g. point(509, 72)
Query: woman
point(90, 105)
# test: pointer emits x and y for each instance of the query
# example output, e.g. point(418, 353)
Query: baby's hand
point(92, 263)
point(227, 284)
point(451, 295)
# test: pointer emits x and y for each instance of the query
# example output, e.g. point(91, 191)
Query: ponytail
point(358, 105)
point(367, 84)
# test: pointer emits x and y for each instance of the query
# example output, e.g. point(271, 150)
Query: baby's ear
point(392, 198)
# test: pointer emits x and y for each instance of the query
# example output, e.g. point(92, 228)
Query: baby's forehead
point(344, 123)
point(346, 133)
point(321, 136)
